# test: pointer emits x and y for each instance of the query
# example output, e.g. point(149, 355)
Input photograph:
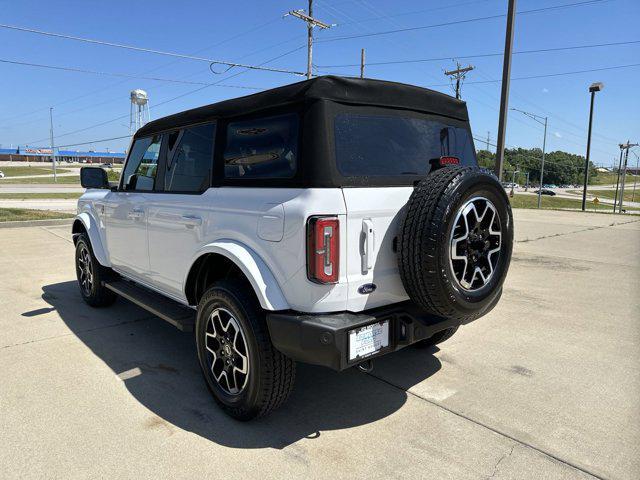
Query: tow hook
point(366, 366)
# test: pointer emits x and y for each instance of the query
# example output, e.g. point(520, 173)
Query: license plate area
point(367, 341)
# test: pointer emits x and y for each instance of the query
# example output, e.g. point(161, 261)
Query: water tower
point(139, 113)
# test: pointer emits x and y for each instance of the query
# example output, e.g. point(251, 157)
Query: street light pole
point(595, 87)
point(538, 119)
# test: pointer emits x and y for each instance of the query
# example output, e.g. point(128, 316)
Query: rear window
point(379, 145)
point(262, 148)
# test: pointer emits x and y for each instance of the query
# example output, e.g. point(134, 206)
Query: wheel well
point(78, 227)
point(208, 269)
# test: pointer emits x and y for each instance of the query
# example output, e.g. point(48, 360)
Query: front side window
point(142, 165)
point(262, 148)
point(378, 145)
point(189, 159)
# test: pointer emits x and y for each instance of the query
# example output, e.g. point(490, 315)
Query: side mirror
point(131, 182)
point(91, 177)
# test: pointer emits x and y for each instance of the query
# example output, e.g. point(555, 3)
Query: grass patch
point(609, 178)
point(44, 195)
point(531, 201)
point(17, 171)
point(22, 214)
point(611, 194)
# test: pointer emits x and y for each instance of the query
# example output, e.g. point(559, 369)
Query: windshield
point(379, 145)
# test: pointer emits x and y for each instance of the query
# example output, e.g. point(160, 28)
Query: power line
point(118, 74)
point(94, 141)
point(414, 12)
point(457, 22)
point(163, 65)
point(164, 102)
point(559, 74)
point(484, 55)
point(148, 50)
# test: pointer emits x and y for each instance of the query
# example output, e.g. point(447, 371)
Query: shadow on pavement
point(158, 365)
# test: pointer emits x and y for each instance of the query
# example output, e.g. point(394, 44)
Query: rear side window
point(378, 145)
point(262, 148)
point(142, 165)
point(189, 159)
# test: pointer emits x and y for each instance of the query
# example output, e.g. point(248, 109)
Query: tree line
point(559, 167)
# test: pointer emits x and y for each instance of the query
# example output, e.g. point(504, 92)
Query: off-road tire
point(97, 295)
point(424, 242)
point(437, 338)
point(271, 374)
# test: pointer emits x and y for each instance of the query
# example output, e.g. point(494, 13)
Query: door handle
point(191, 220)
point(135, 213)
point(369, 245)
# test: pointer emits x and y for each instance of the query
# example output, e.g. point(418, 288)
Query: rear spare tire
point(455, 242)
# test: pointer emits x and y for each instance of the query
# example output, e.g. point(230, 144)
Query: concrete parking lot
point(546, 386)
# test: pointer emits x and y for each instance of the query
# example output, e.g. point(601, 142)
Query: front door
point(126, 210)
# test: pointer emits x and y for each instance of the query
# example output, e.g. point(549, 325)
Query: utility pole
point(538, 119)
point(624, 172)
point(53, 154)
point(459, 74)
point(595, 87)
point(488, 139)
point(615, 200)
point(635, 179)
point(362, 63)
point(504, 95)
point(311, 22)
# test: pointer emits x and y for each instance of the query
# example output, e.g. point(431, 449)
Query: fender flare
point(91, 226)
point(253, 267)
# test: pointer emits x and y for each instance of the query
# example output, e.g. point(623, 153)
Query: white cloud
point(545, 90)
point(557, 134)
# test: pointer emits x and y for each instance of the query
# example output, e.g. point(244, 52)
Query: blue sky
point(249, 31)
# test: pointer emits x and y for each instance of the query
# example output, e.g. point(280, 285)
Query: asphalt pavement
point(547, 386)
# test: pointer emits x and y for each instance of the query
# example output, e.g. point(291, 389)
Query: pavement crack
point(76, 333)
point(495, 430)
point(506, 455)
point(55, 234)
point(614, 224)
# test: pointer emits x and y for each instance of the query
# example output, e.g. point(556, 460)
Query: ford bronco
point(330, 221)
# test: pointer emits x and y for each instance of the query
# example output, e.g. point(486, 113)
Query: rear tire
point(246, 375)
point(91, 275)
point(437, 338)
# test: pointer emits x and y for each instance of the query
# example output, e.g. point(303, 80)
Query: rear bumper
point(322, 339)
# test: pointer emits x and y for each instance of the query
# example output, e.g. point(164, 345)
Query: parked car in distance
point(108, 165)
point(546, 191)
point(291, 226)
point(1, 174)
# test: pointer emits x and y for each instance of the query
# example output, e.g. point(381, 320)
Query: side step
point(181, 317)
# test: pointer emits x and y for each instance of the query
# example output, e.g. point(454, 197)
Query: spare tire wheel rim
point(228, 356)
point(475, 243)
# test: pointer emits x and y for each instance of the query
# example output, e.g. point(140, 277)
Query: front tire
point(246, 375)
point(91, 275)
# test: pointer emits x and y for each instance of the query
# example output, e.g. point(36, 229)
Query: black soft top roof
point(339, 89)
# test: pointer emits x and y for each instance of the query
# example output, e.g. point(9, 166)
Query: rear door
point(179, 210)
point(386, 151)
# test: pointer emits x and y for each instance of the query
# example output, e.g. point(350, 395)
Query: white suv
point(330, 222)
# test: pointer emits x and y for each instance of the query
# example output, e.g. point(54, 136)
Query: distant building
point(35, 154)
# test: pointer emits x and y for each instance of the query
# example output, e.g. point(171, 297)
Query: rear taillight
point(323, 249)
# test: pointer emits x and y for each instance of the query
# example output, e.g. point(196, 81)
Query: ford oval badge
point(367, 288)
